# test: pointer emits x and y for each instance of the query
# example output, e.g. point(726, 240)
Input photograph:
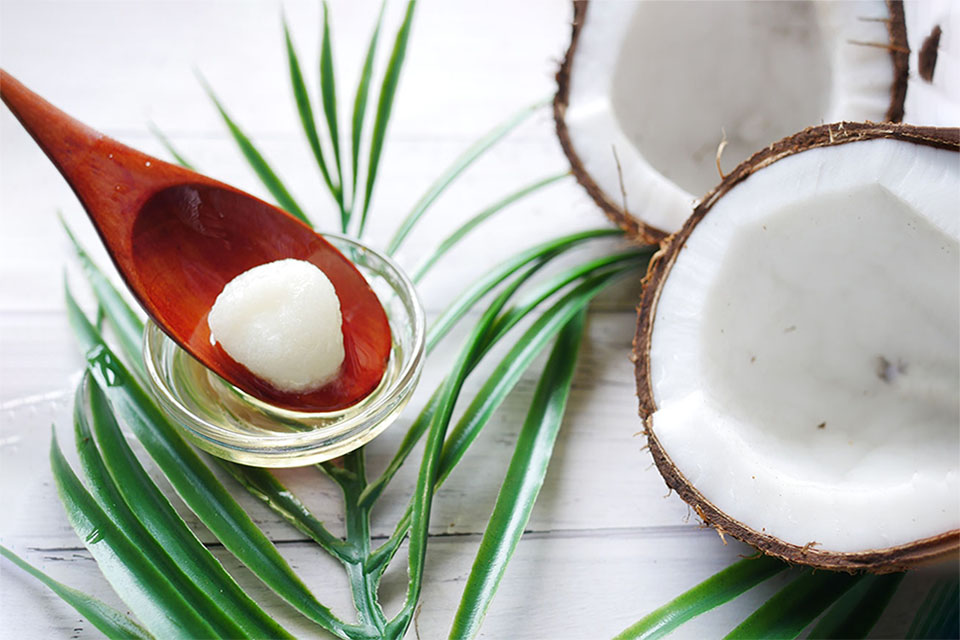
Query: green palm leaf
point(521, 486)
point(465, 301)
point(421, 503)
point(791, 609)
point(145, 515)
point(635, 260)
point(181, 160)
point(939, 615)
point(148, 593)
point(198, 487)
point(463, 230)
point(419, 426)
point(712, 592)
point(328, 95)
point(360, 103)
point(128, 328)
point(855, 614)
point(527, 264)
point(388, 90)
point(262, 484)
point(108, 496)
point(257, 162)
point(362, 582)
point(507, 373)
point(111, 622)
point(496, 388)
point(305, 109)
point(459, 165)
point(126, 323)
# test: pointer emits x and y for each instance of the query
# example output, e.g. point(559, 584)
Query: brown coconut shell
point(877, 560)
point(900, 56)
point(637, 229)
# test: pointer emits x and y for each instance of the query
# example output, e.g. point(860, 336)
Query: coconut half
point(798, 349)
point(648, 90)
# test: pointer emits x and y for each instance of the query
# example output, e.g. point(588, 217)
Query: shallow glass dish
point(229, 423)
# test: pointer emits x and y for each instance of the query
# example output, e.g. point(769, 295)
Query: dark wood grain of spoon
point(177, 237)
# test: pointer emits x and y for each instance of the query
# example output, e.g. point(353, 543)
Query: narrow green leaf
point(363, 585)
point(262, 484)
point(791, 609)
point(144, 514)
point(257, 162)
point(181, 160)
point(122, 318)
point(128, 328)
point(855, 614)
point(382, 556)
point(459, 165)
point(388, 89)
point(420, 424)
point(709, 594)
point(108, 496)
point(495, 390)
point(448, 319)
point(922, 616)
point(328, 95)
point(453, 239)
point(947, 624)
point(100, 317)
point(636, 258)
point(360, 103)
point(111, 622)
point(522, 483)
point(507, 373)
point(147, 592)
point(426, 482)
point(410, 439)
point(496, 331)
point(422, 499)
point(939, 614)
point(193, 481)
point(305, 109)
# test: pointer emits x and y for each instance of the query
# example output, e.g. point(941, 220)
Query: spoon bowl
point(231, 424)
point(178, 237)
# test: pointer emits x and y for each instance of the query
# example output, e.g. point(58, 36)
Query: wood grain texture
point(606, 542)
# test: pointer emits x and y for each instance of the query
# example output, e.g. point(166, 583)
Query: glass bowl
point(229, 423)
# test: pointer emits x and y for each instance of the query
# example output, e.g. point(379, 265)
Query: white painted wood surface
point(605, 544)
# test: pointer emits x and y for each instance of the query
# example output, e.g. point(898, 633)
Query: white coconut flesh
point(661, 83)
point(805, 352)
point(933, 100)
point(282, 321)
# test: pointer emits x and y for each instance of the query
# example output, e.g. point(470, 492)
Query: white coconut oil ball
point(281, 320)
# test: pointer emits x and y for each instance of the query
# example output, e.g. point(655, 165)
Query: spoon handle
point(111, 180)
point(66, 141)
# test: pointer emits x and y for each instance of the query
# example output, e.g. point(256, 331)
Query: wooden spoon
point(177, 237)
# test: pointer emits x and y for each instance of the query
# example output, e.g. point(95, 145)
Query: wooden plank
point(598, 448)
point(588, 584)
point(605, 544)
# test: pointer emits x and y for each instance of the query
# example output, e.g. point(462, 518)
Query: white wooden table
point(605, 544)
